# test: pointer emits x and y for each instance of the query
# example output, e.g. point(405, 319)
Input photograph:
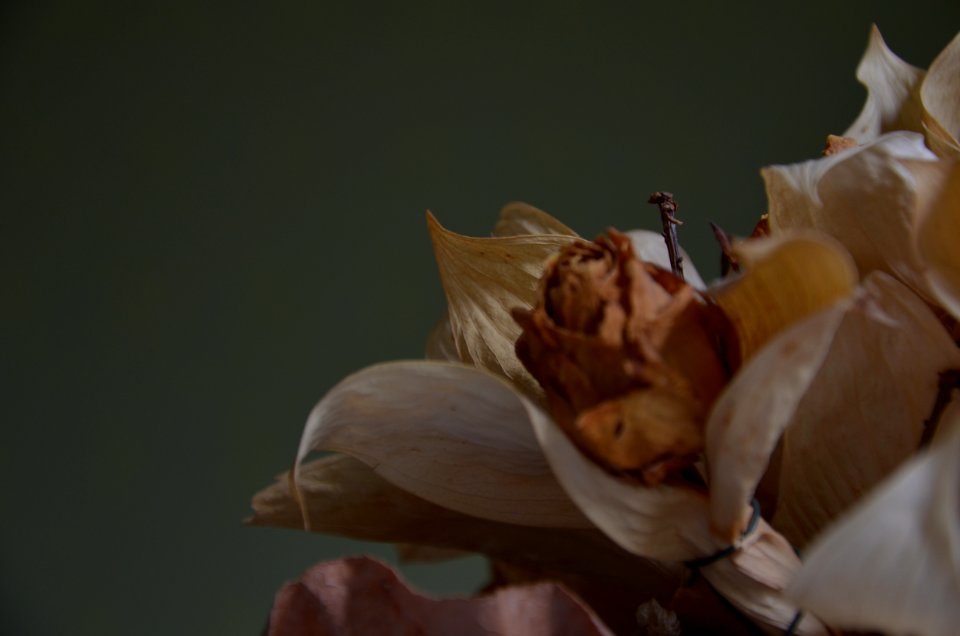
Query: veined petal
point(451, 434)
point(893, 562)
point(342, 495)
point(937, 231)
point(440, 344)
point(864, 411)
point(891, 98)
point(484, 279)
point(940, 93)
point(748, 419)
point(787, 277)
point(521, 218)
point(863, 197)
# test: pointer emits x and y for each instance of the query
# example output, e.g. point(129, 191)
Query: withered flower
point(627, 354)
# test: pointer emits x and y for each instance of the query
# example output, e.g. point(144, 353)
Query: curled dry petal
point(938, 230)
point(521, 218)
point(788, 277)
point(672, 523)
point(863, 413)
point(451, 434)
point(483, 279)
point(940, 94)
point(626, 355)
point(892, 563)
point(342, 495)
point(891, 100)
point(864, 197)
point(747, 421)
point(362, 596)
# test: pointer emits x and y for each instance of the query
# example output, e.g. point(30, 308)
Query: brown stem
point(728, 261)
point(668, 209)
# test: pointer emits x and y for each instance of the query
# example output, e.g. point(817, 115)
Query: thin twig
point(668, 210)
point(728, 261)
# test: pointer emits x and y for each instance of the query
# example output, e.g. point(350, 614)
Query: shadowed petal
point(362, 596)
point(938, 231)
point(342, 495)
point(451, 434)
point(940, 93)
point(893, 562)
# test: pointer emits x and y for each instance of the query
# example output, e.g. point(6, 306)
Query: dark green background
point(210, 215)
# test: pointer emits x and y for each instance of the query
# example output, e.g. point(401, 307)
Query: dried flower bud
point(627, 356)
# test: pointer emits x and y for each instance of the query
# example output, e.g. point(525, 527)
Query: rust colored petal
point(627, 355)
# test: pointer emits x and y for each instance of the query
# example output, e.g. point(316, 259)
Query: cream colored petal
point(451, 434)
point(342, 495)
point(748, 419)
point(672, 523)
point(892, 564)
point(650, 246)
point(786, 278)
point(521, 218)
point(484, 279)
point(864, 197)
point(863, 413)
point(891, 103)
point(940, 94)
point(938, 230)
point(440, 344)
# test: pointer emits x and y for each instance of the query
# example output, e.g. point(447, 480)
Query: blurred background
point(210, 215)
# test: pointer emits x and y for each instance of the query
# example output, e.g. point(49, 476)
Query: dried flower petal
point(342, 495)
point(787, 278)
point(626, 355)
point(938, 230)
point(484, 278)
point(521, 218)
point(891, 100)
point(892, 563)
point(362, 596)
point(863, 413)
point(865, 198)
point(451, 434)
point(940, 94)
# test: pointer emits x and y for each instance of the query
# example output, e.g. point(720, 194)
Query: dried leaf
point(865, 198)
point(787, 278)
point(891, 83)
point(362, 596)
point(940, 94)
point(938, 230)
point(451, 434)
point(343, 496)
point(520, 218)
point(892, 563)
point(863, 413)
point(484, 278)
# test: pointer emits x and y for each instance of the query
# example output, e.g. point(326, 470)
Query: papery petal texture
point(362, 596)
point(787, 278)
point(892, 563)
point(454, 435)
point(522, 218)
point(864, 197)
point(863, 413)
point(938, 230)
point(891, 84)
point(342, 495)
point(940, 94)
point(483, 279)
